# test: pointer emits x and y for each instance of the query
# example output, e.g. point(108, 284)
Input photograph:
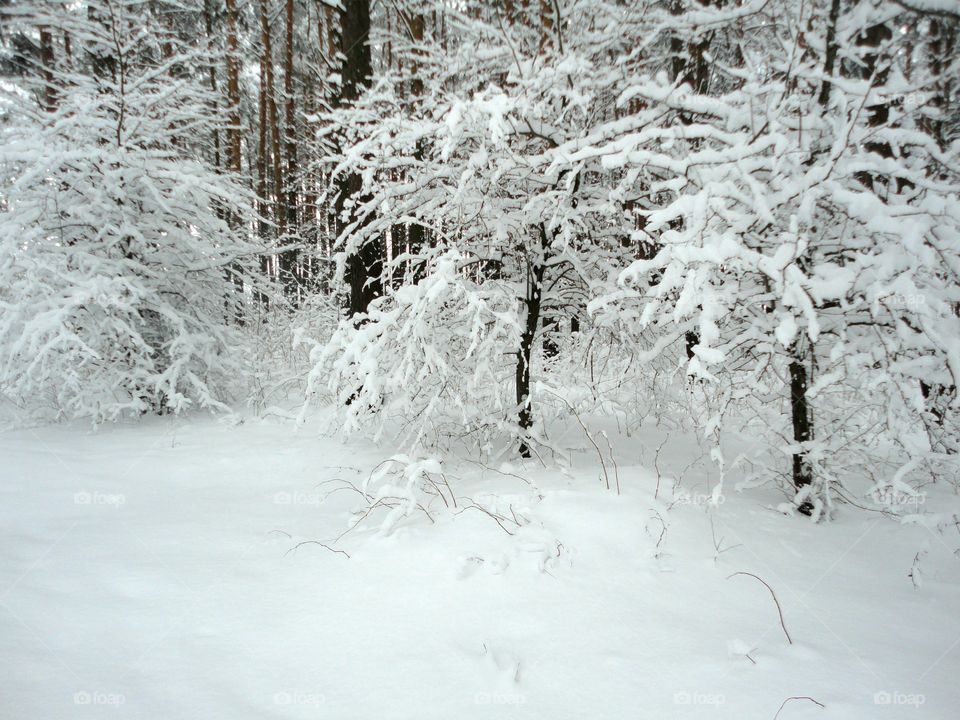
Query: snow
point(153, 570)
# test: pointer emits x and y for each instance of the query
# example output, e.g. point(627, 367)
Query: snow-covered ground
point(153, 571)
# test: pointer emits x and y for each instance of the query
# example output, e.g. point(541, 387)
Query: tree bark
point(46, 69)
point(208, 25)
point(233, 90)
point(417, 236)
point(289, 259)
point(365, 265)
point(273, 120)
point(802, 422)
point(533, 297)
point(830, 53)
point(262, 203)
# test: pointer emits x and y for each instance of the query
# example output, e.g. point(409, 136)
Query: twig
point(663, 531)
point(613, 460)
point(501, 472)
point(572, 409)
point(774, 596)
point(796, 697)
point(656, 465)
point(316, 542)
point(446, 482)
point(718, 545)
point(497, 518)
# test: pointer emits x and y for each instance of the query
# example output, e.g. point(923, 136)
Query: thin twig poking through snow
point(507, 474)
point(501, 472)
point(774, 596)
point(497, 517)
point(656, 465)
point(616, 470)
point(308, 542)
point(663, 532)
point(718, 545)
point(603, 465)
point(316, 542)
point(797, 697)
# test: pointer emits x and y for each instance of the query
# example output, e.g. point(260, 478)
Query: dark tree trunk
point(234, 146)
point(46, 69)
point(272, 118)
point(551, 326)
point(942, 34)
point(694, 70)
point(802, 425)
point(263, 206)
point(102, 61)
point(289, 260)
point(212, 76)
point(233, 90)
point(801, 413)
point(830, 55)
point(417, 236)
point(365, 265)
point(532, 302)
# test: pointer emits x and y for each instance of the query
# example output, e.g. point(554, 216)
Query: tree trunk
point(233, 90)
point(46, 69)
point(208, 24)
point(536, 266)
point(102, 60)
point(262, 203)
point(802, 423)
point(273, 119)
point(830, 53)
point(234, 147)
point(365, 265)
point(942, 33)
point(801, 412)
point(695, 71)
point(68, 49)
point(289, 260)
point(417, 237)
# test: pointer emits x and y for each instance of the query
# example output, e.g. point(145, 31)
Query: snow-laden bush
point(123, 263)
point(436, 354)
point(280, 363)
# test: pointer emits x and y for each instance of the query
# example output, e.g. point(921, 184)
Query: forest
point(665, 293)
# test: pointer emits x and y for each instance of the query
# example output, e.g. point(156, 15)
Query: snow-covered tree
point(125, 258)
point(805, 238)
point(475, 162)
point(764, 193)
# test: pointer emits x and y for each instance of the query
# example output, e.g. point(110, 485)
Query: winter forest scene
point(468, 359)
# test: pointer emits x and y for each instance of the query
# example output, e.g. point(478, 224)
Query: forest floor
point(154, 570)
